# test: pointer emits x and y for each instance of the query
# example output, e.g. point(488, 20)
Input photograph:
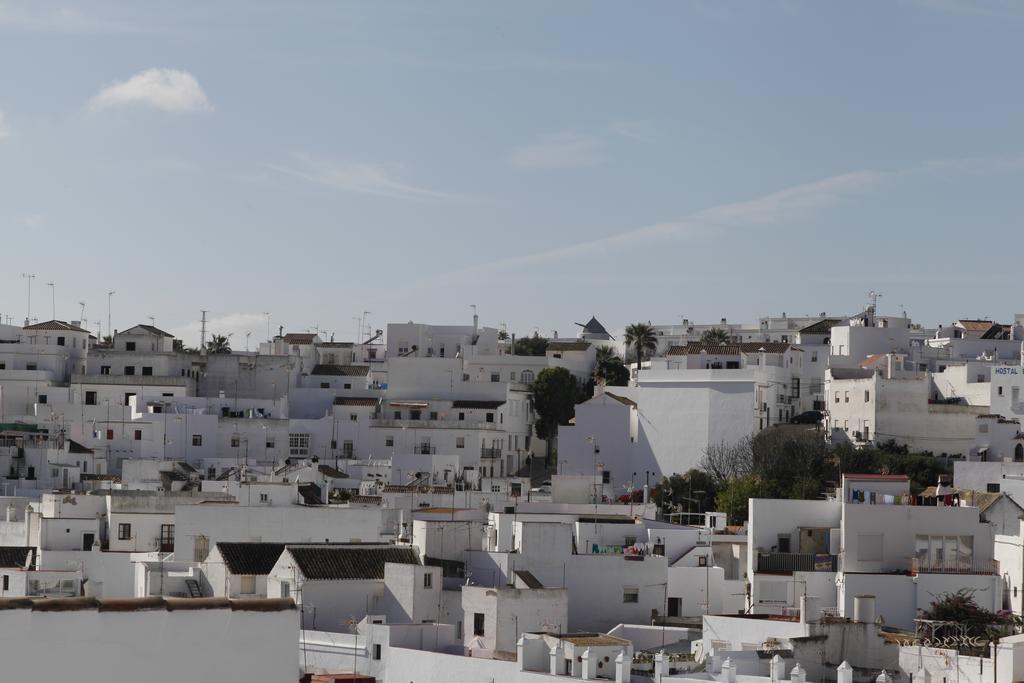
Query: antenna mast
point(202, 331)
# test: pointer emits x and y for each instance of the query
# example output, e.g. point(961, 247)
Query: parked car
point(809, 417)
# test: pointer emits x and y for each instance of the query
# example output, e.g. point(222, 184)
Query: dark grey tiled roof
point(320, 563)
point(250, 558)
point(16, 556)
point(341, 370)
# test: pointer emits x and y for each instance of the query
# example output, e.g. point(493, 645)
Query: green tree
point(531, 346)
point(609, 368)
point(218, 344)
point(716, 335)
point(554, 394)
point(732, 500)
point(643, 340)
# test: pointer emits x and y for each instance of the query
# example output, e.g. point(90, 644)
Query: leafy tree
point(218, 344)
point(643, 340)
point(502, 335)
point(732, 499)
point(716, 335)
point(531, 346)
point(554, 394)
point(610, 368)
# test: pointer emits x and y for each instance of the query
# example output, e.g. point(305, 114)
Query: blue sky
point(545, 161)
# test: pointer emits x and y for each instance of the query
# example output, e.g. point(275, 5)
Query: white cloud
point(169, 90)
point(568, 149)
point(234, 324)
point(359, 178)
point(5, 130)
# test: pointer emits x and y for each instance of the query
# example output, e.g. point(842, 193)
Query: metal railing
point(954, 565)
point(797, 562)
point(490, 452)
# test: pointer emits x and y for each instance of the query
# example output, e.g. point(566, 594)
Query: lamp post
point(110, 330)
point(28, 314)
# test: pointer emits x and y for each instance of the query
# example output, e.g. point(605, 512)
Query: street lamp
point(110, 330)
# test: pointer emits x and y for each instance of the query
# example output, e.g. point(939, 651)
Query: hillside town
point(831, 497)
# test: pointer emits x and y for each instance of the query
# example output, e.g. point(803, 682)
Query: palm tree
point(642, 338)
point(218, 344)
point(716, 335)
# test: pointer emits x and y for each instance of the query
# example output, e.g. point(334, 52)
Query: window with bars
point(298, 444)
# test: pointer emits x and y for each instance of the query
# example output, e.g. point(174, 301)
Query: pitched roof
point(480, 405)
point(851, 373)
point(332, 472)
point(998, 331)
point(326, 563)
point(767, 347)
point(823, 326)
point(335, 345)
point(568, 346)
point(593, 327)
point(299, 338)
point(872, 360)
point(250, 558)
point(16, 556)
point(56, 325)
point(150, 329)
point(406, 488)
point(341, 370)
point(975, 325)
point(621, 399)
point(528, 579)
point(356, 401)
point(705, 347)
point(310, 494)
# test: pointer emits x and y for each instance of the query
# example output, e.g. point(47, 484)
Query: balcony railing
point(490, 452)
point(797, 562)
point(954, 566)
point(424, 449)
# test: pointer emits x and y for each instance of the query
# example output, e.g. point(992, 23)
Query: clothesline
point(875, 498)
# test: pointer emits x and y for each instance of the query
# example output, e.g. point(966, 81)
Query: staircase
point(194, 591)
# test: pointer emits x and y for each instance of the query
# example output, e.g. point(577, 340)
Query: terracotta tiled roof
point(568, 346)
point(975, 325)
point(335, 345)
point(704, 347)
point(366, 500)
point(341, 370)
point(56, 325)
point(356, 401)
point(326, 563)
point(406, 488)
point(768, 347)
point(250, 558)
point(872, 360)
point(479, 405)
point(299, 338)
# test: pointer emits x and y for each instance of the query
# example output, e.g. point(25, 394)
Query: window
point(30, 366)
point(60, 341)
point(428, 580)
point(42, 399)
point(248, 584)
point(846, 397)
point(526, 377)
point(166, 537)
point(348, 385)
point(347, 449)
point(325, 385)
point(814, 356)
point(837, 397)
point(200, 548)
point(512, 376)
point(398, 414)
point(128, 398)
point(264, 497)
point(414, 414)
point(495, 488)
point(269, 443)
point(235, 441)
point(478, 623)
point(124, 531)
point(983, 428)
point(433, 415)
point(353, 417)
point(110, 435)
point(495, 376)
point(147, 370)
point(376, 651)
point(90, 398)
point(462, 417)
point(129, 369)
point(489, 417)
point(197, 439)
point(286, 589)
point(867, 396)
point(129, 346)
point(138, 435)
point(298, 444)
point(389, 441)
point(992, 488)
point(1000, 391)
point(460, 442)
point(3, 366)
point(630, 595)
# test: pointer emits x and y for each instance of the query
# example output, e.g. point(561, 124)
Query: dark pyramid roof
point(250, 558)
point(326, 562)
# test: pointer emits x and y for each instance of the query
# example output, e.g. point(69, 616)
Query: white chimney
point(844, 673)
point(864, 609)
point(797, 675)
point(808, 609)
point(728, 671)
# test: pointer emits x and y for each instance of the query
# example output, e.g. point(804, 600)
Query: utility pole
point(202, 332)
point(29, 277)
point(267, 313)
point(53, 300)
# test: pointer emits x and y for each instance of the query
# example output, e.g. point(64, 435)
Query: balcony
point(490, 452)
point(424, 449)
point(797, 562)
point(434, 424)
point(957, 565)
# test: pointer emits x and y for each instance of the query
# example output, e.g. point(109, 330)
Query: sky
point(544, 161)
